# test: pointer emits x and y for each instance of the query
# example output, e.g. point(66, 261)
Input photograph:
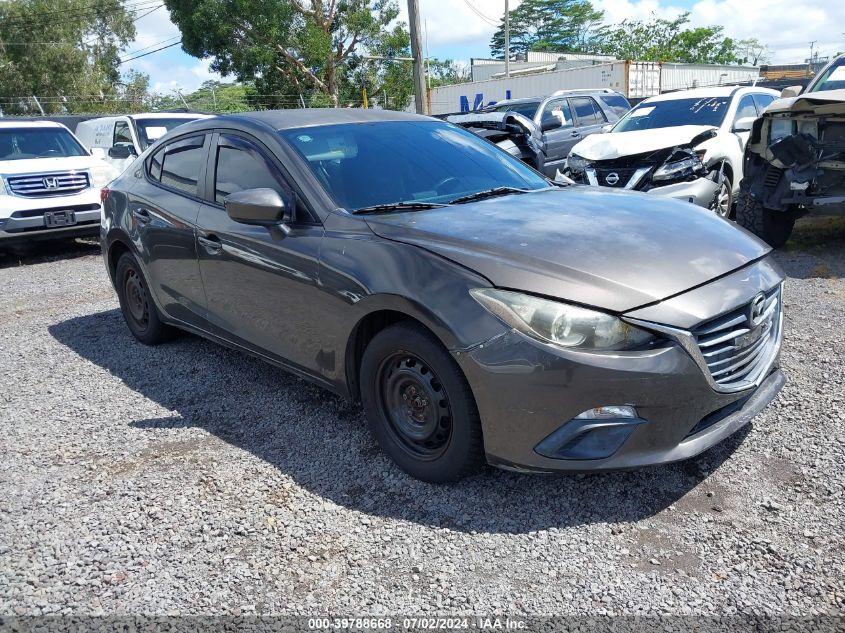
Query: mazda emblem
point(757, 309)
point(612, 178)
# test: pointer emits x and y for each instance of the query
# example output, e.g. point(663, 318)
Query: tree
point(547, 25)
point(443, 72)
point(659, 39)
point(752, 51)
point(289, 48)
point(64, 51)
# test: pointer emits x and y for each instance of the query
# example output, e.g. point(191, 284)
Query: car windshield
point(526, 109)
point(831, 78)
point(150, 130)
point(656, 114)
point(368, 164)
point(21, 143)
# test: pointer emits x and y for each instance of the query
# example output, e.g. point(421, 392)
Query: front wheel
point(419, 406)
point(722, 204)
point(774, 227)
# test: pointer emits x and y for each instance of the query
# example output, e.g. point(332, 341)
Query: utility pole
point(810, 61)
point(507, 40)
point(420, 95)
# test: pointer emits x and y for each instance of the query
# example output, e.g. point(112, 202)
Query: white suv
point(49, 183)
point(686, 145)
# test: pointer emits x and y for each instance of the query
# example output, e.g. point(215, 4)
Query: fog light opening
point(593, 434)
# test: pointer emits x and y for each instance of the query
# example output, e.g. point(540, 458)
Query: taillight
point(104, 194)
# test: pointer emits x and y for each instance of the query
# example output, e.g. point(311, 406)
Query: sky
point(456, 31)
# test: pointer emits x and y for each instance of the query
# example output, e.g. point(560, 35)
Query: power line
point(481, 15)
point(129, 59)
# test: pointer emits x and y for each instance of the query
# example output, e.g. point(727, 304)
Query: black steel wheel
point(137, 306)
point(415, 404)
point(419, 406)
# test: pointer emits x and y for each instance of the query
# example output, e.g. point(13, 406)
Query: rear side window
point(762, 101)
point(179, 164)
point(587, 111)
point(239, 166)
point(122, 134)
point(616, 103)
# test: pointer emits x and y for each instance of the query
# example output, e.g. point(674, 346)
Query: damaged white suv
point(686, 145)
point(49, 183)
point(795, 159)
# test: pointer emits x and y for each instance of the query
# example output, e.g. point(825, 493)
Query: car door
point(163, 207)
point(588, 115)
point(260, 283)
point(122, 136)
point(558, 141)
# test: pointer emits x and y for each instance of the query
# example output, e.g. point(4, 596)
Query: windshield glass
point(20, 143)
point(648, 116)
point(150, 130)
point(366, 164)
point(831, 78)
point(525, 109)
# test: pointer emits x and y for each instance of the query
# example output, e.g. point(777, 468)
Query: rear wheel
point(419, 406)
point(774, 227)
point(137, 305)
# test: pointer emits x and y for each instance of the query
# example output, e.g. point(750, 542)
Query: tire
point(136, 304)
point(419, 406)
point(774, 227)
point(723, 204)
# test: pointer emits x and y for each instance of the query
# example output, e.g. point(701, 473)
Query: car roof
point(6, 124)
point(310, 117)
point(713, 91)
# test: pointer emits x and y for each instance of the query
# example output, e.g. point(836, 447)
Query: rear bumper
point(22, 219)
point(701, 191)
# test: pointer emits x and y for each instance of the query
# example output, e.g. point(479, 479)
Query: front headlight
point(678, 168)
point(576, 163)
point(101, 175)
point(560, 323)
point(3, 191)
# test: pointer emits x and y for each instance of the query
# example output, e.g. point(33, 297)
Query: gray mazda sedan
point(476, 309)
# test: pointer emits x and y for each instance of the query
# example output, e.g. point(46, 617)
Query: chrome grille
point(738, 347)
point(53, 184)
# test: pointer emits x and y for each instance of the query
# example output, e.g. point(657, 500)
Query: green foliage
point(752, 51)
point(212, 96)
point(548, 25)
point(443, 72)
point(289, 50)
point(61, 48)
point(659, 39)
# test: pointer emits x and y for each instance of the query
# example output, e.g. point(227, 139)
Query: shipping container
point(636, 80)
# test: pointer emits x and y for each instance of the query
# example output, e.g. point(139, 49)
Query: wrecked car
point(545, 129)
point(795, 159)
point(513, 132)
point(686, 145)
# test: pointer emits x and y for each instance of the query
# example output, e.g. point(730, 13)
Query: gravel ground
point(191, 479)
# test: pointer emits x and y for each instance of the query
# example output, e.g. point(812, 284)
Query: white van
point(119, 139)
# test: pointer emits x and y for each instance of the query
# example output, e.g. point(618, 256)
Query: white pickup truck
point(49, 183)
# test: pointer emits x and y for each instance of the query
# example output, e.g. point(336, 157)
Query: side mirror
point(98, 152)
point(120, 151)
point(264, 207)
point(790, 91)
point(550, 123)
point(744, 124)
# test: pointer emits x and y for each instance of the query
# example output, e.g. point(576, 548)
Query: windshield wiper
point(488, 193)
point(399, 206)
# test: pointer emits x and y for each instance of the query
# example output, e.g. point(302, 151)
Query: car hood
point(810, 101)
point(609, 249)
point(48, 165)
point(618, 144)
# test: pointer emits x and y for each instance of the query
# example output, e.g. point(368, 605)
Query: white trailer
point(636, 80)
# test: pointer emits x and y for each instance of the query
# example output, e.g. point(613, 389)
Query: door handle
point(141, 215)
point(211, 243)
point(575, 133)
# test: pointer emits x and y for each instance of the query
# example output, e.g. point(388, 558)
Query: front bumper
point(528, 391)
point(22, 219)
point(701, 191)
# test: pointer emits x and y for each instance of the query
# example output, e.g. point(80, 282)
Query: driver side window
point(239, 166)
point(559, 109)
point(122, 135)
point(746, 108)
